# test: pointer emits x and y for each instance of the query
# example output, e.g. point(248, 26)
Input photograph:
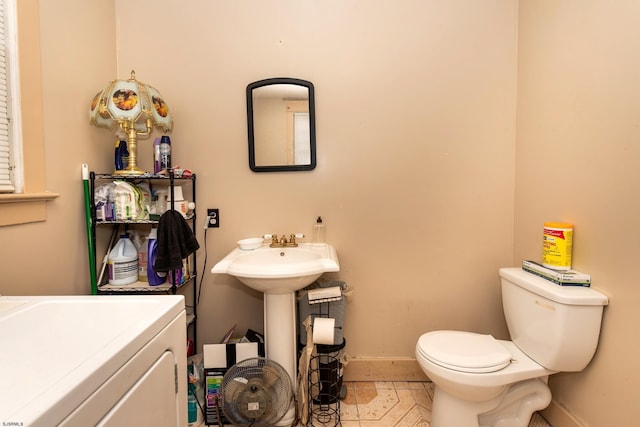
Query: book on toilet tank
point(562, 278)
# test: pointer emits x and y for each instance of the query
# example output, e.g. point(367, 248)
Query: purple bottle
point(155, 279)
point(176, 276)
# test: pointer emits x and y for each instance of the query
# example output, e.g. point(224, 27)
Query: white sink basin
point(279, 270)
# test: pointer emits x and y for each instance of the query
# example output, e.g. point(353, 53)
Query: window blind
point(11, 158)
point(6, 175)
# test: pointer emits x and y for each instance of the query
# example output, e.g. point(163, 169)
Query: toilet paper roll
point(323, 330)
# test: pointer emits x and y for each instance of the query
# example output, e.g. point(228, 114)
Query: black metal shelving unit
point(140, 288)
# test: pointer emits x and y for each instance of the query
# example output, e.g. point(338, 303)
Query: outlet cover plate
point(213, 218)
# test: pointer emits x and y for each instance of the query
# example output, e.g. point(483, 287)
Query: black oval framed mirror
point(281, 125)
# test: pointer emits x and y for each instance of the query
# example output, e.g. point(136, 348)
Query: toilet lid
point(464, 351)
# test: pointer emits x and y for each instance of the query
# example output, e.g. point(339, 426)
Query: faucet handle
point(272, 237)
point(292, 239)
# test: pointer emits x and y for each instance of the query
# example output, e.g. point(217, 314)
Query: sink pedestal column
point(280, 338)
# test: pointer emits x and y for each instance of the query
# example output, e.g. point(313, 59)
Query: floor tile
point(392, 404)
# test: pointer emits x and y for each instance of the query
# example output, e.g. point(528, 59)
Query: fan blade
point(233, 389)
point(271, 375)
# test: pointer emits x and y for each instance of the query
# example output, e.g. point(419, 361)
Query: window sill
point(27, 197)
point(24, 208)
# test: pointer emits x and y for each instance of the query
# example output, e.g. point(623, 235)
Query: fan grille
point(256, 391)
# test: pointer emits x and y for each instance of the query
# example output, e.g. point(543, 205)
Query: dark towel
point(175, 241)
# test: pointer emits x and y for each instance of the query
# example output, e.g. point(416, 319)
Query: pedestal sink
point(279, 272)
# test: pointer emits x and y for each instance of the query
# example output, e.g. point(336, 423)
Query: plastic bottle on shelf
point(121, 155)
point(118, 157)
point(143, 251)
point(192, 408)
point(123, 262)
point(162, 197)
point(124, 154)
point(154, 278)
point(176, 277)
point(165, 152)
point(156, 156)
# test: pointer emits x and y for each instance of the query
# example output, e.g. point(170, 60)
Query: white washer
point(93, 360)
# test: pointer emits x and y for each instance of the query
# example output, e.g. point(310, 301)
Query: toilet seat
point(464, 351)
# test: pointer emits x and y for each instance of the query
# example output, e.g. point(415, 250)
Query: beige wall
point(77, 41)
point(416, 130)
point(415, 134)
point(577, 156)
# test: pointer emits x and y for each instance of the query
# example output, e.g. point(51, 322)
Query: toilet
point(481, 381)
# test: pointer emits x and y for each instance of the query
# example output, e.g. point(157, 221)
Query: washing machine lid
point(464, 351)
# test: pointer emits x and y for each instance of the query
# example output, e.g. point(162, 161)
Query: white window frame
point(10, 117)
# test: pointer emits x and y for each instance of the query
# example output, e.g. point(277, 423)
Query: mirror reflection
point(281, 125)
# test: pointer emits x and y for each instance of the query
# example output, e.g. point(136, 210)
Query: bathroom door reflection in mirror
point(281, 125)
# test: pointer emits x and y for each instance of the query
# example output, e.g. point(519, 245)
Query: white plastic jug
point(123, 262)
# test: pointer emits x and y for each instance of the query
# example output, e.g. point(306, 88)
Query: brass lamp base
point(130, 170)
point(132, 145)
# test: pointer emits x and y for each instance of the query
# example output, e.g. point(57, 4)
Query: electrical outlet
point(213, 218)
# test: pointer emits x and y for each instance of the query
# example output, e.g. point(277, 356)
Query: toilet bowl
point(484, 382)
point(480, 380)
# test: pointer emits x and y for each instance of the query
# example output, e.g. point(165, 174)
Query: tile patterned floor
point(387, 404)
point(390, 404)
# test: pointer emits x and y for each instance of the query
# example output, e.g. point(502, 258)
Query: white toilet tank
point(557, 326)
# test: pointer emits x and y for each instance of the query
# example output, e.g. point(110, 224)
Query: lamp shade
point(133, 108)
point(130, 101)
